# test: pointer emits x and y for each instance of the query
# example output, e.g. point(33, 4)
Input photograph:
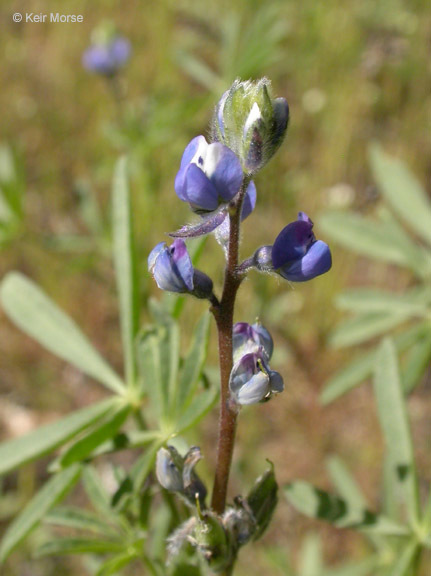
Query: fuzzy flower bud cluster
point(251, 123)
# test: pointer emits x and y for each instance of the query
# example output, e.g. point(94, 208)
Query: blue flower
point(172, 267)
point(296, 254)
point(173, 270)
point(252, 381)
point(209, 175)
point(249, 338)
point(107, 58)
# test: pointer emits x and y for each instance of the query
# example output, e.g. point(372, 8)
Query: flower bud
point(251, 123)
point(173, 271)
point(176, 474)
point(249, 338)
point(168, 469)
point(213, 542)
point(251, 380)
point(262, 500)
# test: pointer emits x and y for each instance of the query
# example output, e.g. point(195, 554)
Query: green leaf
point(64, 546)
point(404, 561)
point(52, 492)
point(143, 465)
point(125, 265)
point(403, 191)
point(37, 443)
point(362, 328)
point(197, 409)
point(158, 360)
point(97, 495)
point(377, 240)
point(115, 564)
point(193, 363)
point(362, 367)
point(375, 301)
point(394, 422)
point(322, 505)
point(79, 519)
point(101, 432)
point(345, 483)
point(416, 363)
point(364, 568)
point(36, 315)
point(311, 557)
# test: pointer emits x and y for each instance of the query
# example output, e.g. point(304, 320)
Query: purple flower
point(296, 254)
point(209, 175)
point(173, 270)
point(250, 338)
point(107, 58)
point(251, 380)
point(172, 267)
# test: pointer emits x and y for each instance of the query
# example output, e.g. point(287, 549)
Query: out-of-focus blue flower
point(106, 58)
point(209, 175)
point(296, 254)
point(250, 122)
point(249, 338)
point(252, 381)
point(172, 269)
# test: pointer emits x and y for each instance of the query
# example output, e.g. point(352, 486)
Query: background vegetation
point(353, 72)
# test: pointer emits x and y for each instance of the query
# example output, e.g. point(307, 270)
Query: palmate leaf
point(362, 328)
point(403, 191)
point(158, 362)
point(319, 504)
point(125, 266)
point(43, 440)
point(62, 546)
point(311, 556)
point(101, 432)
point(364, 568)
point(364, 300)
point(404, 561)
point(32, 311)
point(193, 364)
point(362, 366)
point(375, 239)
point(116, 563)
point(395, 426)
point(52, 492)
point(80, 519)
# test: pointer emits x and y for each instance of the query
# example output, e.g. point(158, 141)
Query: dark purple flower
point(209, 175)
point(251, 380)
point(107, 58)
point(296, 254)
point(250, 338)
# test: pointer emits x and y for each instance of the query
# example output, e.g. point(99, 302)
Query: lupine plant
point(184, 526)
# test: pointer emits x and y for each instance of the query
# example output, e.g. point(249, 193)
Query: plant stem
point(223, 314)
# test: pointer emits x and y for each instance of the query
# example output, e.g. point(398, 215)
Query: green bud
point(250, 122)
point(213, 542)
point(262, 500)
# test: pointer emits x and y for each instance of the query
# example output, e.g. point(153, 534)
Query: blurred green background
point(352, 72)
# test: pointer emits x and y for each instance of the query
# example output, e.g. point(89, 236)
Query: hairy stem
point(223, 314)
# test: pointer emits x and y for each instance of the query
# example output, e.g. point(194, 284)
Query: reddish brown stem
point(224, 318)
